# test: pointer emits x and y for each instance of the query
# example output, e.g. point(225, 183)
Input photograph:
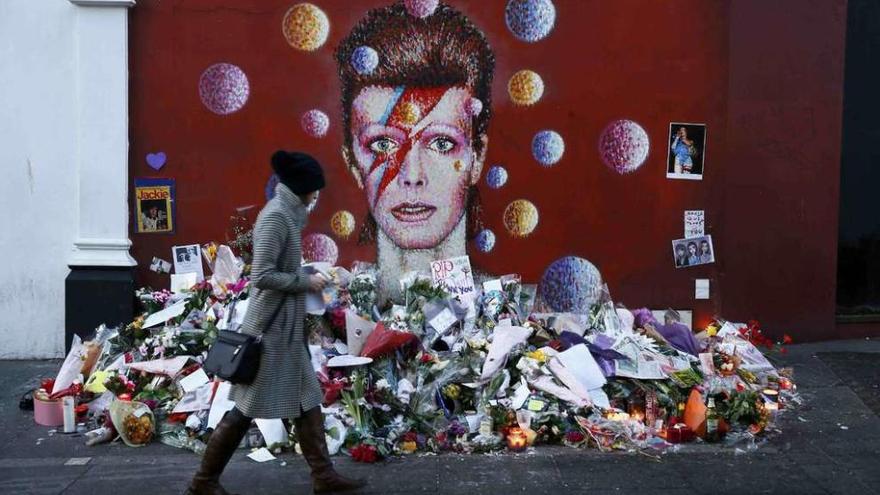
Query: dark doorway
point(858, 268)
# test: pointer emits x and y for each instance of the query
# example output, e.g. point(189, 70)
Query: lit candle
point(516, 439)
point(636, 409)
point(616, 416)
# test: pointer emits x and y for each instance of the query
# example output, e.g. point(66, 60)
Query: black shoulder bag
point(235, 357)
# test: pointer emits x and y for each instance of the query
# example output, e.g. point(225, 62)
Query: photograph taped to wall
point(693, 251)
point(687, 151)
point(154, 205)
point(188, 259)
point(159, 265)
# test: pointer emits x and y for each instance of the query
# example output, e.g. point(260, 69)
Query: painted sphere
point(270, 186)
point(485, 240)
point(320, 247)
point(420, 8)
point(520, 218)
point(364, 60)
point(223, 88)
point(342, 223)
point(474, 107)
point(497, 177)
point(624, 146)
point(571, 284)
point(305, 27)
point(315, 123)
point(530, 20)
point(548, 147)
point(525, 87)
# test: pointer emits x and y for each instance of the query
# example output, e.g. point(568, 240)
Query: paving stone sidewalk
point(830, 445)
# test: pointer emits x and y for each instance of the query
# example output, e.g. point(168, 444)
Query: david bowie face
point(415, 156)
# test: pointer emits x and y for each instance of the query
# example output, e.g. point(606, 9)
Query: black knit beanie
point(300, 172)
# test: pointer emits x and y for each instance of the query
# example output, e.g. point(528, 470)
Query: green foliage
point(739, 407)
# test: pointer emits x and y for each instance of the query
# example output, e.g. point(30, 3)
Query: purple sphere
point(548, 147)
point(497, 177)
point(571, 285)
point(530, 20)
point(315, 123)
point(223, 88)
point(364, 60)
point(624, 146)
point(474, 107)
point(485, 240)
point(421, 8)
point(320, 247)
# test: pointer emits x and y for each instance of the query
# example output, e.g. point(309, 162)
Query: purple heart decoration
point(156, 160)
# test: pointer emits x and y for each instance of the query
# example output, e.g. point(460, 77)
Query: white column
point(101, 51)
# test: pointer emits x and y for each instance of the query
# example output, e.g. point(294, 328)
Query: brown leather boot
point(224, 440)
point(310, 431)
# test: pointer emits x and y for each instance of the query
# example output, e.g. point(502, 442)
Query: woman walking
point(285, 386)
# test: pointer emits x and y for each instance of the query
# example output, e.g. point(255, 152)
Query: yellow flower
point(711, 330)
point(408, 447)
point(537, 355)
point(453, 391)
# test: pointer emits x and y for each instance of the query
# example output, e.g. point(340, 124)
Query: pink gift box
point(48, 412)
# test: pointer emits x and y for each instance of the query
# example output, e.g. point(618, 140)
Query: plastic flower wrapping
point(434, 372)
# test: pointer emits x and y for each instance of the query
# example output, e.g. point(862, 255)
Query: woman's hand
point(317, 283)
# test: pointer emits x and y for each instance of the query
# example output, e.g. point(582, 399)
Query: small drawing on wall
point(687, 151)
point(693, 251)
point(154, 205)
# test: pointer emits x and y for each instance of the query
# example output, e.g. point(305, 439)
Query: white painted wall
point(54, 115)
point(38, 183)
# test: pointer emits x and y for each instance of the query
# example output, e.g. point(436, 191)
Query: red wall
point(765, 78)
point(781, 176)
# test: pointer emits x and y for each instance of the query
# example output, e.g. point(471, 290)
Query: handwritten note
point(455, 276)
point(694, 223)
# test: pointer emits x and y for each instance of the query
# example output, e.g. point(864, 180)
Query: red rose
point(365, 453)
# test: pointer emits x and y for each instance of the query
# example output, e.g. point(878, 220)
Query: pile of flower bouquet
point(436, 373)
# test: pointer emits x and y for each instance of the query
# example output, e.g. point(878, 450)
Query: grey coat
point(286, 384)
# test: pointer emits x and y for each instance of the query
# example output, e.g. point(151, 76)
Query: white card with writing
point(694, 223)
point(455, 276)
point(701, 288)
point(188, 259)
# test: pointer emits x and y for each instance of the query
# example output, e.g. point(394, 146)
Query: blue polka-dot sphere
point(364, 60)
point(548, 147)
point(571, 285)
point(485, 240)
point(270, 187)
point(497, 177)
point(530, 20)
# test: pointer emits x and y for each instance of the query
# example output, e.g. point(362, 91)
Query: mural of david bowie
point(416, 135)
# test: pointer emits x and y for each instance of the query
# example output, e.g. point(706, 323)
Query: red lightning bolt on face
point(408, 111)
